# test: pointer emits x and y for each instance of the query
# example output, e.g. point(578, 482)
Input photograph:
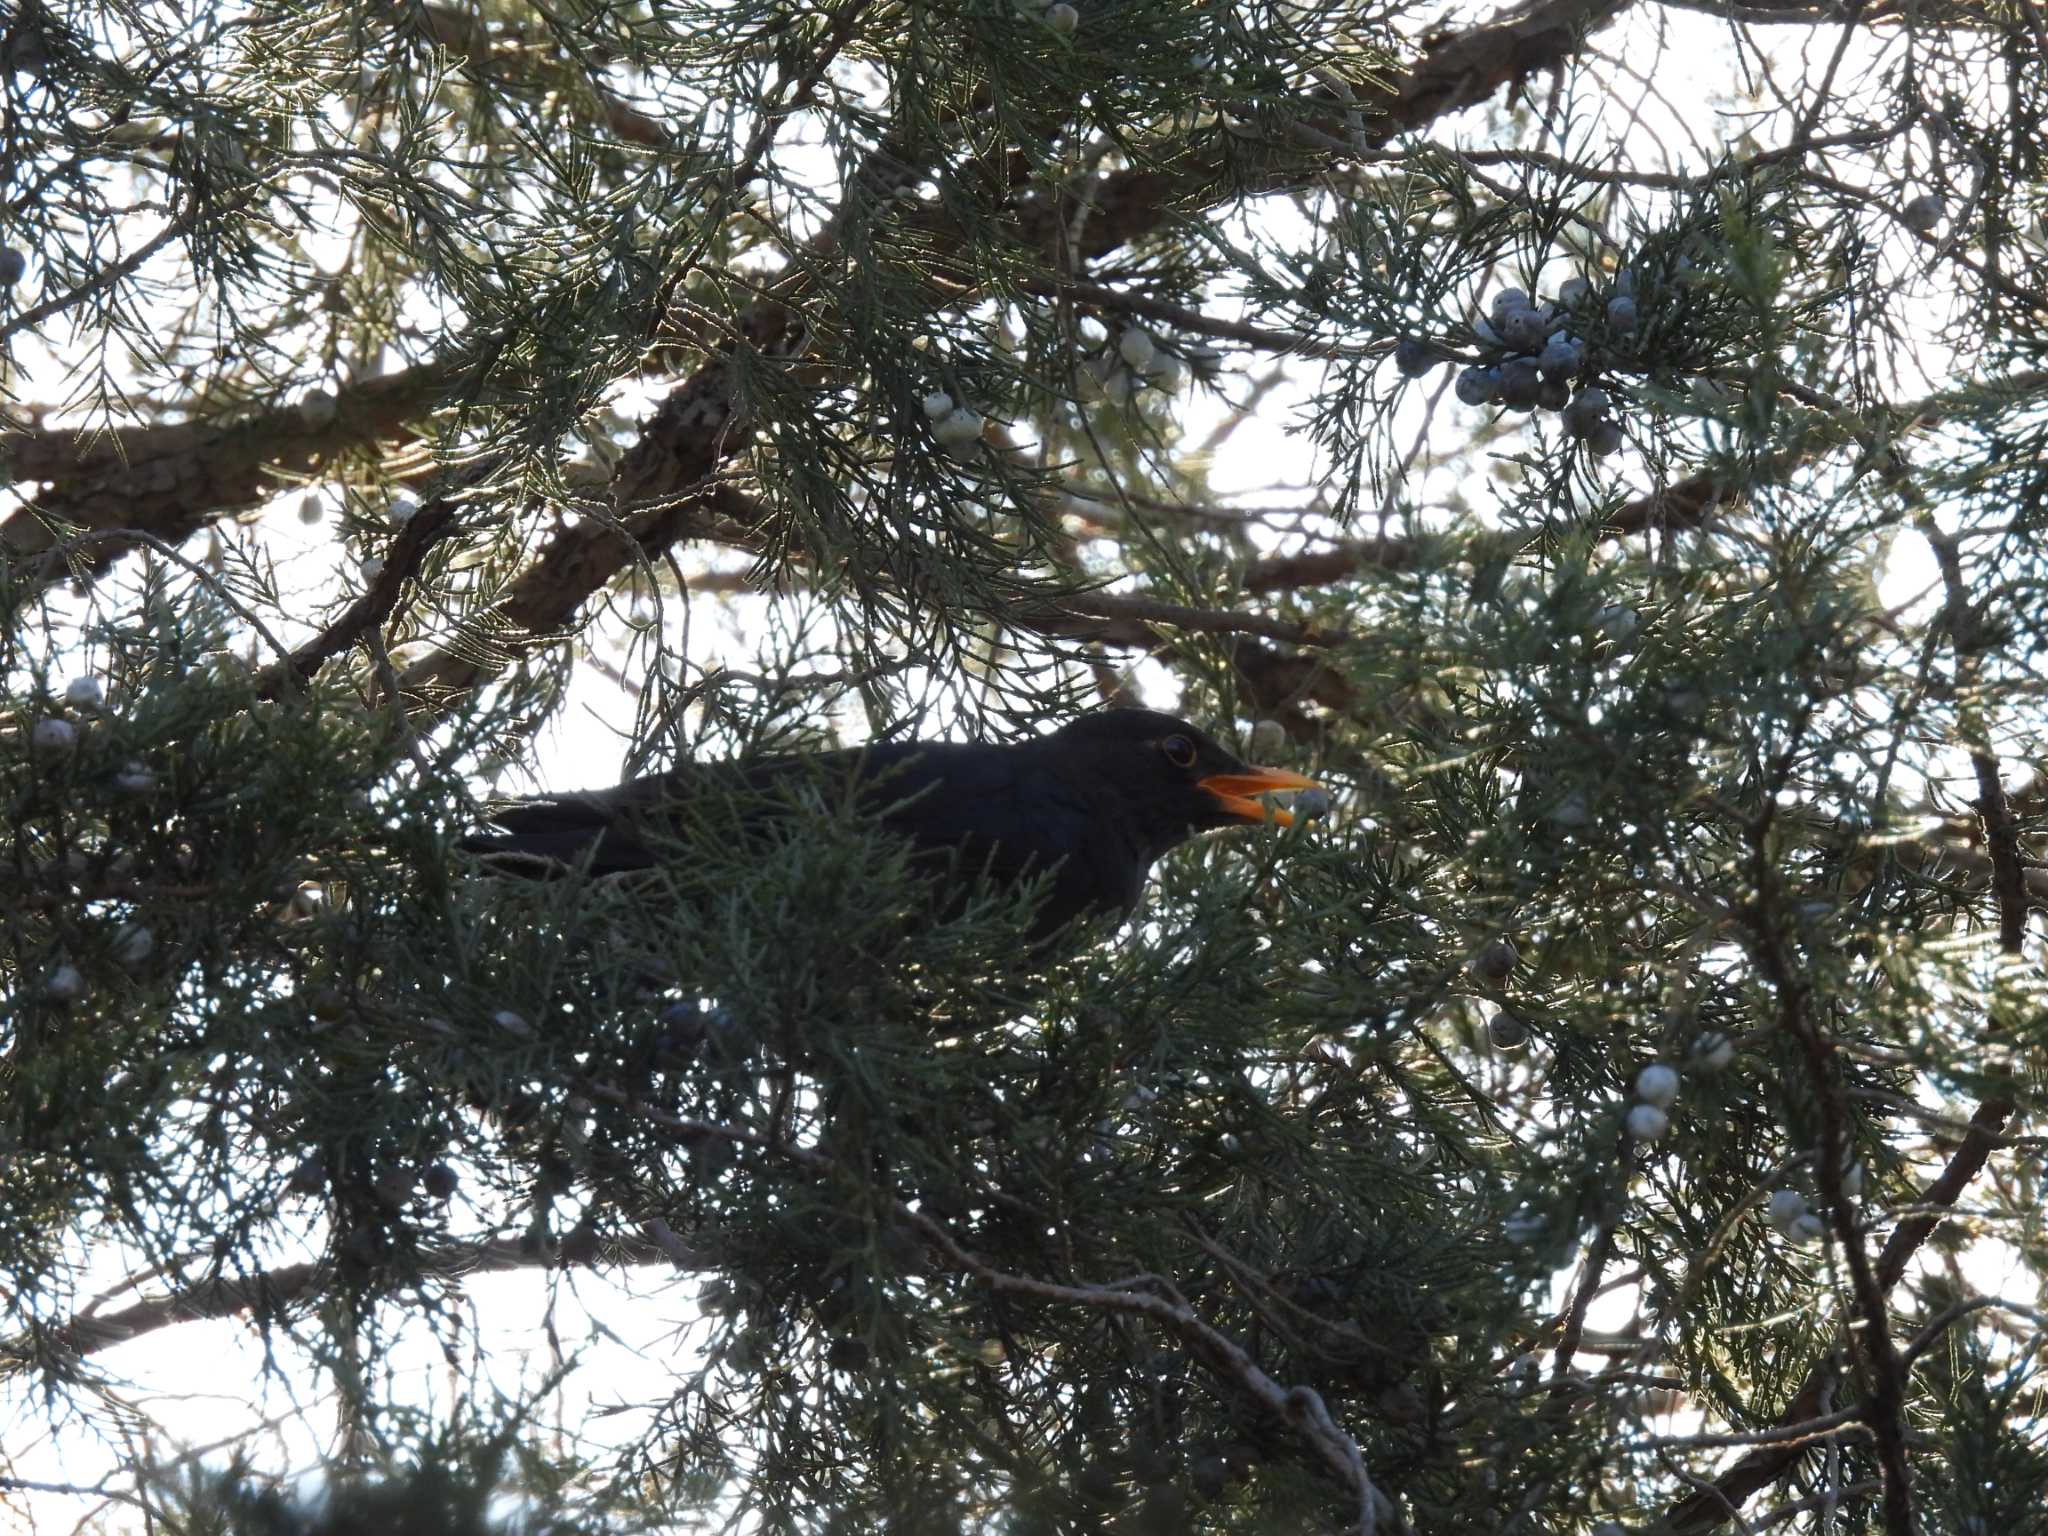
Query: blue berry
point(1923, 215)
point(1414, 358)
point(1523, 330)
point(1519, 384)
point(1586, 412)
point(1507, 302)
point(1561, 357)
point(1476, 386)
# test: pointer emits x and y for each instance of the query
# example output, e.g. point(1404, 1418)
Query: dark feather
point(1093, 804)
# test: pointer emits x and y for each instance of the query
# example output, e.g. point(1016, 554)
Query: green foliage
point(613, 332)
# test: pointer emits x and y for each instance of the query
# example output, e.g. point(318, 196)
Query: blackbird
point(1094, 803)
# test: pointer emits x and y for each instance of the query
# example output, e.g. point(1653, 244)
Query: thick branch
point(268, 1293)
point(1134, 620)
point(173, 480)
point(699, 426)
point(2001, 827)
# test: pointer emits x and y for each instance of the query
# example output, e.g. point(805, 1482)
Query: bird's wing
point(997, 814)
point(621, 828)
point(952, 799)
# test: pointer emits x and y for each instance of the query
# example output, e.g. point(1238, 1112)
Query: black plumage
point(1095, 802)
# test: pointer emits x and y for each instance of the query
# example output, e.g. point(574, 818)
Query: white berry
point(133, 944)
point(937, 404)
point(54, 737)
point(1571, 812)
point(1268, 737)
point(84, 693)
point(1646, 1122)
point(134, 778)
point(512, 1023)
point(1786, 1207)
point(1135, 348)
point(1657, 1084)
point(1063, 19)
point(958, 427)
point(1617, 622)
point(318, 409)
point(373, 567)
point(1713, 1051)
point(1807, 1229)
point(64, 985)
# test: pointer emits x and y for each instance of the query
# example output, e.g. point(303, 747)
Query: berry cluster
point(1536, 349)
point(1794, 1217)
point(1134, 360)
point(1656, 1092)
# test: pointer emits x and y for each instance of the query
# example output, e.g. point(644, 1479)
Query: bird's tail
point(544, 837)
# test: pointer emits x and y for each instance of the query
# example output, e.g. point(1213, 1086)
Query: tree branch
point(171, 481)
point(699, 426)
point(1721, 1501)
point(268, 1293)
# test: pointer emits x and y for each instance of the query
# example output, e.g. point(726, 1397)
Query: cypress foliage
point(1615, 1111)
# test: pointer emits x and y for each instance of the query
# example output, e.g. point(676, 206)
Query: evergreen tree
point(1612, 1113)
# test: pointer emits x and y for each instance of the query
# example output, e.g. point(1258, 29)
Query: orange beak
point(1234, 792)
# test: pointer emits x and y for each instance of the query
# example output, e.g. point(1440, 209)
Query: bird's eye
point(1179, 751)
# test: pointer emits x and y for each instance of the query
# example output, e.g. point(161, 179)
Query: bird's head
point(1175, 780)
